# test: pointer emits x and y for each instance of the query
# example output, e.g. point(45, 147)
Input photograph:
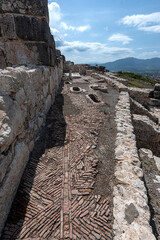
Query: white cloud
point(65, 26)
point(72, 28)
point(147, 55)
point(83, 28)
point(96, 47)
point(144, 22)
point(56, 22)
point(92, 51)
point(55, 14)
point(120, 38)
point(155, 29)
point(54, 30)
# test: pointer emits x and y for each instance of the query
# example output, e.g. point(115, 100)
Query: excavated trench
point(147, 139)
point(94, 98)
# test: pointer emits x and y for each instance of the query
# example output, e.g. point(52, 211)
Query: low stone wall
point(143, 96)
point(119, 79)
point(137, 108)
point(26, 94)
point(131, 211)
point(147, 133)
point(151, 169)
point(117, 85)
point(140, 95)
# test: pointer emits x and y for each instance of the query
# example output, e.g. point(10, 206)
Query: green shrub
point(134, 76)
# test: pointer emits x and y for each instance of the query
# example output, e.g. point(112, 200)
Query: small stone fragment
point(131, 213)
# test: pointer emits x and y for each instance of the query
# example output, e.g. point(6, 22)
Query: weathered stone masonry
point(131, 212)
point(30, 75)
point(25, 34)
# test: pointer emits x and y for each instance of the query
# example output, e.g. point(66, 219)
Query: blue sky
point(90, 31)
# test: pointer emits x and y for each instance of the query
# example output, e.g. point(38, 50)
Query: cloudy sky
point(99, 31)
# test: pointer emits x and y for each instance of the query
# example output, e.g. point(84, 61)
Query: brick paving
point(55, 199)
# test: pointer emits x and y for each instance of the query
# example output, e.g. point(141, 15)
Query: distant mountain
point(133, 65)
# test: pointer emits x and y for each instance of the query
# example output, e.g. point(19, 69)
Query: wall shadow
point(51, 135)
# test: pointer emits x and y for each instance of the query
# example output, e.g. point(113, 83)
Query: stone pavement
point(55, 199)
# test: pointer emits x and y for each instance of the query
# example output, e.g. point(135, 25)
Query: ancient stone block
point(48, 103)
point(52, 57)
point(9, 187)
point(32, 28)
point(36, 53)
point(137, 108)
point(11, 121)
point(151, 94)
point(2, 59)
point(147, 159)
point(43, 53)
point(58, 53)
point(156, 94)
point(8, 84)
point(23, 55)
point(36, 7)
point(26, 22)
point(147, 133)
point(5, 161)
point(7, 26)
point(0, 30)
point(51, 41)
point(157, 87)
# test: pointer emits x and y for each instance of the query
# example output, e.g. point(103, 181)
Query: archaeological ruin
point(79, 147)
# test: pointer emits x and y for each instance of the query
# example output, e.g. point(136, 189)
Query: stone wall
point(68, 66)
point(131, 211)
point(146, 97)
point(110, 81)
point(140, 95)
point(151, 169)
point(147, 133)
point(26, 94)
point(25, 36)
point(31, 75)
point(137, 108)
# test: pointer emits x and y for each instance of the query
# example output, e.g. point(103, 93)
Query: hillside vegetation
point(137, 80)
